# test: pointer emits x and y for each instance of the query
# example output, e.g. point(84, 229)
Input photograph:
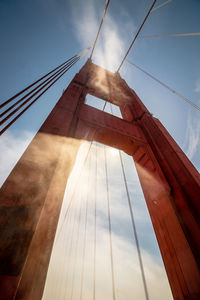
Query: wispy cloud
point(68, 254)
point(84, 20)
point(197, 86)
point(193, 135)
point(193, 130)
point(11, 148)
point(112, 42)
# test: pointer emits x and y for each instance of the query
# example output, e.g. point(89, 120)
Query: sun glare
point(113, 151)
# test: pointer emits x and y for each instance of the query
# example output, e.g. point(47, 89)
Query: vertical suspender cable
point(85, 234)
point(70, 202)
point(70, 255)
point(110, 228)
point(56, 272)
point(136, 35)
point(72, 197)
point(111, 109)
point(64, 242)
point(134, 230)
point(68, 251)
point(104, 105)
point(95, 224)
point(105, 10)
point(76, 248)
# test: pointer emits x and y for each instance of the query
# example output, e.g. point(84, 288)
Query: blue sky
point(38, 35)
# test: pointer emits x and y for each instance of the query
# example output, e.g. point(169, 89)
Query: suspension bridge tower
point(32, 195)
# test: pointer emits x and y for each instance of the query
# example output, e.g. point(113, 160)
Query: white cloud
point(193, 135)
point(66, 261)
point(197, 86)
point(67, 253)
point(85, 21)
point(192, 142)
point(11, 149)
point(112, 42)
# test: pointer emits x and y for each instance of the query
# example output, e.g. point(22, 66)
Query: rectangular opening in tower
point(97, 220)
point(103, 105)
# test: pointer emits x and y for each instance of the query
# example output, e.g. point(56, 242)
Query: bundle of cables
point(39, 87)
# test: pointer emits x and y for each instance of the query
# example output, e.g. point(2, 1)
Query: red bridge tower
point(32, 195)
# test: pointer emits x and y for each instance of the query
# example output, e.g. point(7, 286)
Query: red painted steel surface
point(30, 208)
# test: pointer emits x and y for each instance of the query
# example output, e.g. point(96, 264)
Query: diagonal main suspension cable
point(42, 85)
point(168, 35)
point(166, 86)
point(62, 71)
point(110, 227)
point(27, 107)
point(134, 230)
point(136, 35)
point(105, 10)
point(29, 93)
point(34, 83)
point(161, 5)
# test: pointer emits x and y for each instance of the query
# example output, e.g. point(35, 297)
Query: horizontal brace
point(102, 119)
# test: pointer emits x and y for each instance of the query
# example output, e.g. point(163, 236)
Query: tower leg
point(31, 199)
